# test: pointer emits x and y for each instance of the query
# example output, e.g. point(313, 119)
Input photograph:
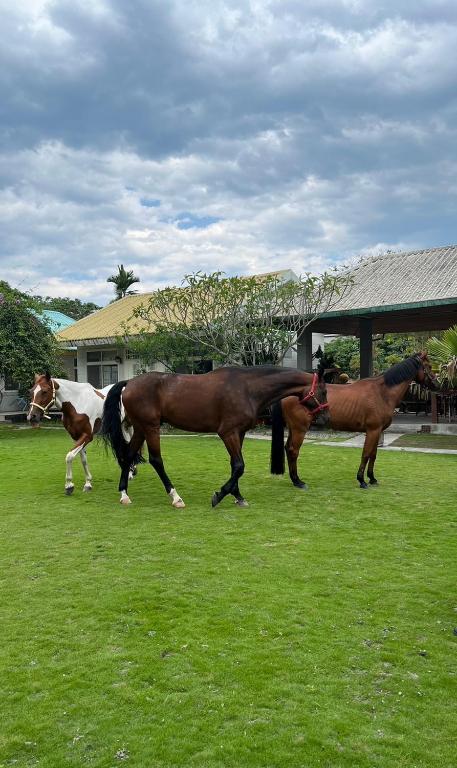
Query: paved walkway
point(358, 440)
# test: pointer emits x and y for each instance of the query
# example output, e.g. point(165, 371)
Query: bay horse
point(226, 401)
point(363, 406)
point(82, 408)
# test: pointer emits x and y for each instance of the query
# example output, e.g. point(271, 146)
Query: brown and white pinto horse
point(363, 406)
point(81, 407)
point(226, 401)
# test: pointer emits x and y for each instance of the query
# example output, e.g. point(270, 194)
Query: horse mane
point(400, 372)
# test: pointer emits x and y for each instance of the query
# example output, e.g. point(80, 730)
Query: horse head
point(42, 397)
point(315, 400)
point(425, 375)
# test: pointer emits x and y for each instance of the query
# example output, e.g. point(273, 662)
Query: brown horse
point(226, 401)
point(364, 406)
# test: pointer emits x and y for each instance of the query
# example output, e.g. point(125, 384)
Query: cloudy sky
point(246, 136)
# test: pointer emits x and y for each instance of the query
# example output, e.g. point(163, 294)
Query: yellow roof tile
point(107, 323)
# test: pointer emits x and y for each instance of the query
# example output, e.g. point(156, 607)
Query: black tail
point(111, 428)
point(277, 440)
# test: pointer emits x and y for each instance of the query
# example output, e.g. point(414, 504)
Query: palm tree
point(443, 352)
point(123, 280)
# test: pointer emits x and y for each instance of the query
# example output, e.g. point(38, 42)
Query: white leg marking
point(176, 499)
point(88, 483)
point(124, 498)
point(69, 485)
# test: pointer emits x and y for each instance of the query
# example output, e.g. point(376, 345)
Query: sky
point(246, 136)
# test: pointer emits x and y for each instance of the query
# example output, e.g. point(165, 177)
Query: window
point(10, 384)
point(99, 373)
point(94, 357)
point(102, 375)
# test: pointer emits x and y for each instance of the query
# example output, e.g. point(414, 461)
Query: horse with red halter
point(226, 401)
point(363, 406)
point(81, 407)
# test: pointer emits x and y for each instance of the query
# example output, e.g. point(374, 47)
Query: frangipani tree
point(443, 353)
point(242, 320)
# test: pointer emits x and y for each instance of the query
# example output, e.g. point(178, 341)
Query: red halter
point(312, 393)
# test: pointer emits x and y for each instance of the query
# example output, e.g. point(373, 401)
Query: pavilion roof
point(398, 279)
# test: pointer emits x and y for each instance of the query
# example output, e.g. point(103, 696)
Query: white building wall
point(290, 360)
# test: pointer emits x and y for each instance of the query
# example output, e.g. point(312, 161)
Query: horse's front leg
point(369, 449)
point(233, 444)
point(70, 457)
point(372, 459)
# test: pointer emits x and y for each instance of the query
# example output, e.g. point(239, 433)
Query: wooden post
point(305, 350)
point(434, 408)
point(366, 347)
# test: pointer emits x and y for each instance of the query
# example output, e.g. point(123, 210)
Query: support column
point(305, 350)
point(366, 347)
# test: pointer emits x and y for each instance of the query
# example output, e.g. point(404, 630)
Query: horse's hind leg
point(239, 499)
point(293, 444)
point(71, 455)
point(369, 450)
point(155, 460)
point(87, 472)
point(133, 448)
point(233, 444)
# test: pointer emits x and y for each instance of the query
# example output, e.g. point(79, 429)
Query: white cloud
point(301, 134)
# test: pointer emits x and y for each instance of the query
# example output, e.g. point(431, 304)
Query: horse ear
point(423, 354)
point(321, 369)
point(37, 376)
point(47, 376)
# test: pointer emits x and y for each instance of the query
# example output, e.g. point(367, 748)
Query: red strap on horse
point(312, 393)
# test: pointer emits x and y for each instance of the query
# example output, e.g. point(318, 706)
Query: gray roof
point(412, 277)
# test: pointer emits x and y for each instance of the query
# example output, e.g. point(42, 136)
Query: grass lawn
point(427, 441)
point(311, 629)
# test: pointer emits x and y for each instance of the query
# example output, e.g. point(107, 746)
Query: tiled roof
point(57, 321)
point(106, 323)
point(411, 277)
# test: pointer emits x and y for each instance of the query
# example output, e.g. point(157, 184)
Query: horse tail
point(111, 427)
point(277, 440)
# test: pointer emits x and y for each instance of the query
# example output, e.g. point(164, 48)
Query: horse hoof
point(301, 486)
point(373, 482)
point(363, 486)
point(178, 504)
point(125, 500)
point(87, 488)
point(69, 490)
point(241, 503)
point(215, 500)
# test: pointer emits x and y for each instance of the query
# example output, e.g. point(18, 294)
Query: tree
point(241, 320)
point(443, 352)
point(27, 346)
point(388, 349)
point(122, 281)
point(175, 352)
point(345, 353)
point(74, 308)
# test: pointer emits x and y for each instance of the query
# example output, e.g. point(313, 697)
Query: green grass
point(312, 629)
point(427, 441)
